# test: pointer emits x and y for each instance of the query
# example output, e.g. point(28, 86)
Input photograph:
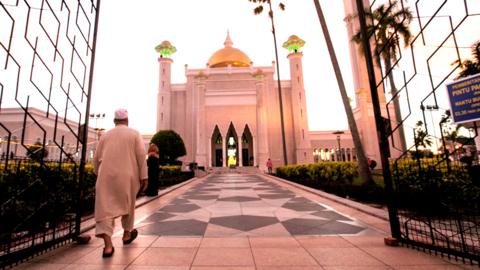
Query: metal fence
point(47, 50)
point(435, 181)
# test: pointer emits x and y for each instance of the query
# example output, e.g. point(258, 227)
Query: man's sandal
point(133, 235)
point(108, 254)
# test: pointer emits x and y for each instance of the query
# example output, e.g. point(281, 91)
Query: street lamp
point(433, 108)
point(338, 133)
point(15, 141)
point(97, 116)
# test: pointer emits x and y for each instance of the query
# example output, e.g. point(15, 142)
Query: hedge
point(419, 188)
point(428, 185)
point(35, 196)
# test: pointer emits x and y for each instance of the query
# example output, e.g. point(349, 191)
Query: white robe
point(119, 163)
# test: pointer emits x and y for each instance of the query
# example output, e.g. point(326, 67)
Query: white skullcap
point(121, 114)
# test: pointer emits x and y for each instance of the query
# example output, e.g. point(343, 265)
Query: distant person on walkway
point(371, 163)
point(121, 170)
point(153, 162)
point(269, 166)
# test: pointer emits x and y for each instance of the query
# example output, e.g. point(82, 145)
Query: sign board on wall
point(464, 97)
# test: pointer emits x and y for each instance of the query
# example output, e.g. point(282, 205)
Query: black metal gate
point(435, 187)
point(47, 50)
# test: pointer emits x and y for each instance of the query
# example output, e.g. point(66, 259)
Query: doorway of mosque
point(232, 159)
point(247, 148)
point(232, 147)
point(217, 142)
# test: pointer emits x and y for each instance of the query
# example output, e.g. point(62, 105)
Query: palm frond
point(476, 52)
point(258, 10)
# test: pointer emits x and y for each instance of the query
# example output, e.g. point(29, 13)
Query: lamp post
point(433, 108)
point(338, 133)
point(97, 116)
point(15, 141)
point(1, 147)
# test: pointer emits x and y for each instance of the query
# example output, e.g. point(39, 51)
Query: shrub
point(37, 152)
point(170, 146)
point(429, 186)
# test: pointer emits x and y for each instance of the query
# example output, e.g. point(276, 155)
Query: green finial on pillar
point(165, 49)
point(293, 44)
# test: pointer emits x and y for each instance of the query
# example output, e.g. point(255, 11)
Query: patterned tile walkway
point(246, 222)
point(247, 205)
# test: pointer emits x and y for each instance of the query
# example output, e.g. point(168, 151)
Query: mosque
point(229, 113)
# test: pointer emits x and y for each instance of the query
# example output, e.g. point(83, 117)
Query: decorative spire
point(259, 75)
point(165, 49)
point(228, 42)
point(293, 44)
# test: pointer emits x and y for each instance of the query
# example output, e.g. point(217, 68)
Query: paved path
point(234, 221)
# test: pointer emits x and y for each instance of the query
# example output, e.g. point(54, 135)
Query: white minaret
point(303, 149)
point(364, 108)
point(165, 49)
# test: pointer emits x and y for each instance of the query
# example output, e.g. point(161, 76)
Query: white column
point(224, 151)
point(201, 136)
point(240, 154)
point(261, 143)
point(255, 150)
point(209, 152)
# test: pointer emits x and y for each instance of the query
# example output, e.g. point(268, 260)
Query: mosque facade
point(228, 114)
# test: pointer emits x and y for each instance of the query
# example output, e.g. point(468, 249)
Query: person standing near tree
point(121, 170)
point(153, 170)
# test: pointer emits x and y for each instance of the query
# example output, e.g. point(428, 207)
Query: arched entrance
point(247, 147)
point(231, 147)
point(217, 142)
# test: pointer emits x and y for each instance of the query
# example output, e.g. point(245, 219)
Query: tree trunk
point(280, 101)
point(396, 106)
point(364, 171)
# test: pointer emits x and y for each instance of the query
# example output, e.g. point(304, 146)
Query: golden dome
point(229, 56)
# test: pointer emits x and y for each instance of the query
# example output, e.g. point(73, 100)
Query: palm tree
point(256, 11)
point(364, 171)
point(451, 134)
point(421, 137)
point(470, 66)
point(389, 25)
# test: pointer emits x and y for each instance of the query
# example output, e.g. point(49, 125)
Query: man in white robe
point(121, 169)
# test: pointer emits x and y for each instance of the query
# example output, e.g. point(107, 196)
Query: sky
point(126, 66)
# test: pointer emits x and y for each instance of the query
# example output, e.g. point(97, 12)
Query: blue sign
point(464, 96)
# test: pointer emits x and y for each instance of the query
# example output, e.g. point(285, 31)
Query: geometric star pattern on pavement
point(245, 204)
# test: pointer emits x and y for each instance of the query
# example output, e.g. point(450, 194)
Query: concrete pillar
point(261, 151)
point(240, 154)
point(201, 143)
point(255, 151)
point(224, 151)
point(209, 152)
